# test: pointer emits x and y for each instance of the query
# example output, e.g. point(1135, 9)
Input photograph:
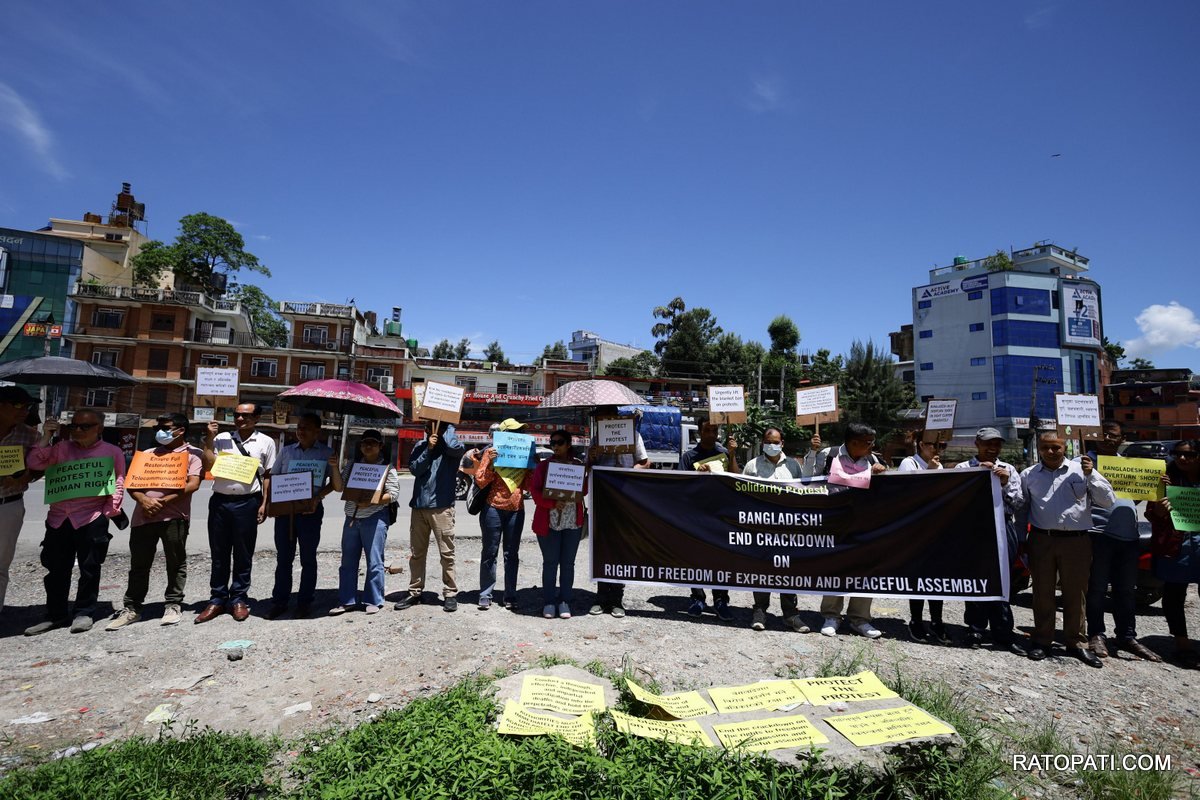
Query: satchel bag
point(476, 498)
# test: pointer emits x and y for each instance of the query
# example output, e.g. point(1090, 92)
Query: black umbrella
point(60, 371)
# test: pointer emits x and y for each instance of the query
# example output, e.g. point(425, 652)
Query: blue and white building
point(995, 339)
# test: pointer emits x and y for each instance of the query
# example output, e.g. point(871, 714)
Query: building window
point(1020, 300)
point(108, 318)
point(522, 388)
point(979, 395)
point(162, 322)
point(925, 398)
point(105, 358)
point(312, 372)
point(156, 398)
point(1023, 333)
point(99, 398)
point(158, 358)
point(346, 334)
point(1013, 379)
point(976, 326)
point(924, 304)
point(501, 388)
point(908, 376)
point(1083, 365)
point(264, 367)
point(926, 366)
point(213, 360)
point(974, 295)
point(468, 383)
point(926, 334)
point(316, 334)
point(978, 362)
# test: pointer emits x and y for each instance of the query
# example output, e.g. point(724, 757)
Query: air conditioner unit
point(385, 384)
point(331, 346)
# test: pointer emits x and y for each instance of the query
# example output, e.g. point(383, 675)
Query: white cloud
point(1040, 18)
point(262, 237)
point(767, 94)
point(21, 117)
point(1164, 328)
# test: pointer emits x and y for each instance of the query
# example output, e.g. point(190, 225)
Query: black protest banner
point(934, 534)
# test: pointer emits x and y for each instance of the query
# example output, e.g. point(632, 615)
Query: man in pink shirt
point(77, 528)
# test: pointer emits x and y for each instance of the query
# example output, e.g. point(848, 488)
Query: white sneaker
point(564, 611)
point(866, 629)
point(171, 615)
point(548, 611)
point(830, 627)
point(126, 616)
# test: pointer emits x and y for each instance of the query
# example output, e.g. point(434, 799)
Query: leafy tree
point(1141, 363)
point(734, 361)
point(998, 261)
point(1116, 353)
point(821, 370)
point(785, 336)
point(558, 350)
point(463, 348)
point(643, 365)
point(205, 245)
point(663, 331)
point(443, 350)
point(870, 392)
point(689, 349)
point(264, 320)
point(493, 352)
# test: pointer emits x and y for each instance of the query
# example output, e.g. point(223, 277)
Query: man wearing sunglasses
point(15, 404)
point(76, 529)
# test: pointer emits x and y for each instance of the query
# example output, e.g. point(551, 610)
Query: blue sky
point(516, 171)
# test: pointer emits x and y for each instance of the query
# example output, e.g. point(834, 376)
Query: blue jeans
point(558, 564)
point(232, 534)
point(307, 528)
point(500, 527)
point(368, 535)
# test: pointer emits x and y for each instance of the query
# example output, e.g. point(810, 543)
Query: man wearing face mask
point(161, 515)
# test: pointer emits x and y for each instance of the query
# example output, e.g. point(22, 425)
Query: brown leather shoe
point(1098, 646)
point(210, 611)
point(240, 611)
point(1140, 650)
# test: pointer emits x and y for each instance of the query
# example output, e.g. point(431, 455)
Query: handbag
point(476, 498)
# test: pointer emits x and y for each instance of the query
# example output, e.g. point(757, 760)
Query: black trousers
point(996, 613)
point(61, 549)
point(232, 534)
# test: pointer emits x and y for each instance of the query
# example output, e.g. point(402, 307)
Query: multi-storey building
point(1154, 403)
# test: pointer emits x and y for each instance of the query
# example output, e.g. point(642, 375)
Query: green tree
point(822, 370)
point(264, 320)
point(463, 348)
point(998, 262)
point(643, 365)
point(1116, 353)
point(733, 361)
point(663, 331)
point(493, 352)
point(1141, 363)
point(443, 350)
point(785, 336)
point(205, 245)
point(558, 351)
point(870, 392)
point(688, 351)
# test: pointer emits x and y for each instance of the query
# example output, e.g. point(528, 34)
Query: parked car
point(1151, 449)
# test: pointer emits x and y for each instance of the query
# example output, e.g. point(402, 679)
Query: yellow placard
point(1133, 478)
point(778, 733)
point(513, 477)
point(12, 459)
point(520, 721)
point(561, 694)
point(684, 705)
point(887, 725)
point(231, 466)
point(148, 471)
point(678, 731)
point(863, 686)
point(764, 694)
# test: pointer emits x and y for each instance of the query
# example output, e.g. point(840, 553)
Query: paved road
point(28, 546)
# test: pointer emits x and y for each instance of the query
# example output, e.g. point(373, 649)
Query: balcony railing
point(316, 309)
point(146, 294)
point(226, 338)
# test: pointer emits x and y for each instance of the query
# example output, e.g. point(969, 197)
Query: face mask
point(164, 437)
point(772, 449)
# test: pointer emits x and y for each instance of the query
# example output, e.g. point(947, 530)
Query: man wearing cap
point(15, 404)
point(77, 527)
point(996, 613)
point(434, 464)
point(501, 521)
point(1059, 495)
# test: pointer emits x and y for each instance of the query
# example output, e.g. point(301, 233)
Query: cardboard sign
point(313, 466)
point(1185, 508)
point(726, 404)
point(685, 705)
point(442, 402)
point(849, 475)
point(616, 434)
point(677, 731)
point(1078, 415)
point(764, 694)
point(939, 420)
point(236, 467)
point(365, 483)
point(202, 414)
point(561, 694)
point(520, 721)
point(290, 487)
point(715, 463)
point(1133, 478)
point(817, 404)
point(564, 481)
point(516, 450)
point(888, 725)
point(863, 686)
point(12, 459)
point(216, 386)
point(778, 733)
point(87, 477)
point(148, 471)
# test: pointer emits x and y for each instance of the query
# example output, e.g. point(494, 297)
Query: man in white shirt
point(235, 512)
point(1059, 496)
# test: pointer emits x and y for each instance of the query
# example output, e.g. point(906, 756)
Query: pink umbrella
point(343, 397)
point(592, 393)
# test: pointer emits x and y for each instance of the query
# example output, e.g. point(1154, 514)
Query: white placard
point(726, 399)
point(216, 382)
point(363, 476)
point(939, 415)
point(202, 414)
point(564, 477)
point(443, 397)
point(615, 432)
point(1077, 410)
point(291, 486)
point(817, 400)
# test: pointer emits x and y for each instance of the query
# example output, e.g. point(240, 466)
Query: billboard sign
point(947, 288)
point(1081, 314)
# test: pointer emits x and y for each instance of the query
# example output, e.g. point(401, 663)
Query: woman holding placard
point(365, 529)
point(503, 517)
point(1177, 553)
point(558, 523)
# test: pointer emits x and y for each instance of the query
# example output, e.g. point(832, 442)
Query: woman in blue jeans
point(501, 522)
point(559, 526)
point(365, 531)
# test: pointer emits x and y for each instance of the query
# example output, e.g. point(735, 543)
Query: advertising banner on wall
point(1081, 314)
